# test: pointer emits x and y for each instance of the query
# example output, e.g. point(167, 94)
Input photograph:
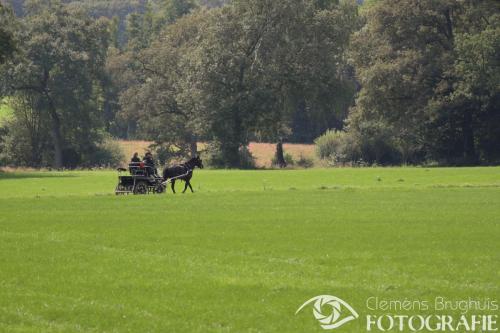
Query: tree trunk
point(470, 156)
point(57, 138)
point(280, 157)
point(56, 131)
point(35, 152)
point(231, 155)
point(193, 147)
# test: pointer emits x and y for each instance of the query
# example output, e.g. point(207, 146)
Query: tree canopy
point(63, 54)
point(429, 76)
point(388, 81)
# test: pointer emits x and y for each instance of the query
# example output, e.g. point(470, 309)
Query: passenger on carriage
point(135, 158)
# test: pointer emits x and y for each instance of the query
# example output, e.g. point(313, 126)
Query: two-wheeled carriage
point(142, 179)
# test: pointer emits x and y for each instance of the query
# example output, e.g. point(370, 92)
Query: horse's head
point(198, 162)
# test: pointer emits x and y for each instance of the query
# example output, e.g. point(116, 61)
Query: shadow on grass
point(25, 175)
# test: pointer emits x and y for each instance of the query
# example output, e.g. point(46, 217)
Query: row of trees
point(402, 81)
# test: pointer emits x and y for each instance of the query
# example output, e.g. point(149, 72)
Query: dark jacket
point(150, 166)
point(135, 159)
point(149, 162)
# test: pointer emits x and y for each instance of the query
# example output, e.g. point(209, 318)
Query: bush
point(305, 162)
point(338, 147)
point(289, 159)
point(370, 143)
point(377, 143)
point(107, 153)
point(215, 158)
point(328, 144)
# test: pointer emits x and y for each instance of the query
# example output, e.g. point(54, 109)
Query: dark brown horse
point(183, 172)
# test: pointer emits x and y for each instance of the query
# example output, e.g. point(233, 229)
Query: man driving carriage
point(149, 163)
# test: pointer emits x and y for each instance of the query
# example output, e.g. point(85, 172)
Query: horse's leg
point(173, 186)
point(185, 186)
point(189, 184)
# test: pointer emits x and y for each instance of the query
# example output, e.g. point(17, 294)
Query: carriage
point(142, 179)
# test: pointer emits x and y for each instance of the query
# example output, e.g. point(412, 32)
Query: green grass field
point(243, 252)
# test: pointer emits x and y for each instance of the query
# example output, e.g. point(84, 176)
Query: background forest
point(373, 82)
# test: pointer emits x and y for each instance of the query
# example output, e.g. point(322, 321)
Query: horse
point(183, 172)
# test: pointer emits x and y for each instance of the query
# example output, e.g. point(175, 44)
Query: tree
point(63, 54)
point(25, 132)
point(161, 99)
point(465, 106)
point(263, 61)
point(408, 59)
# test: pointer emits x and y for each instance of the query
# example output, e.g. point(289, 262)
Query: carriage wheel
point(141, 188)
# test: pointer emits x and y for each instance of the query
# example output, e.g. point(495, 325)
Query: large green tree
point(427, 71)
point(62, 55)
point(125, 64)
point(465, 110)
point(162, 100)
point(264, 60)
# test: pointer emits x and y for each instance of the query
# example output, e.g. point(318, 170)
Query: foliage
point(421, 77)
point(215, 158)
point(171, 10)
point(24, 138)
point(178, 72)
point(239, 72)
point(6, 111)
point(328, 144)
point(469, 100)
point(261, 61)
point(25, 142)
point(161, 99)
point(63, 55)
point(7, 45)
point(108, 153)
point(372, 143)
point(305, 162)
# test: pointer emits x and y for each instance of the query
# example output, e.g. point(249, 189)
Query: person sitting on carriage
point(149, 162)
point(135, 158)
